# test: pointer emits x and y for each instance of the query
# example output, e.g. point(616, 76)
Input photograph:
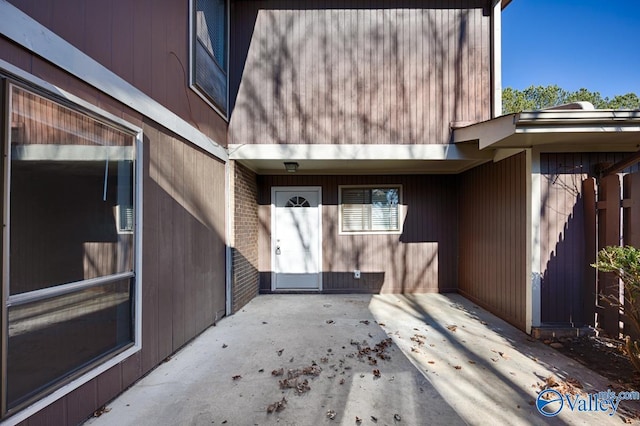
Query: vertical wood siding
point(562, 236)
point(492, 257)
point(357, 72)
point(144, 42)
point(422, 259)
point(183, 288)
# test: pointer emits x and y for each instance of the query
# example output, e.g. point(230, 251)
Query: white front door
point(295, 239)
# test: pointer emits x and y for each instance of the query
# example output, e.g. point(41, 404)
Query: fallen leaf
point(452, 327)
point(324, 360)
point(471, 362)
point(261, 370)
point(291, 360)
point(374, 419)
point(381, 324)
point(329, 321)
point(342, 381)
point(276, 406)
point(431, 362)
point(397, 417)
point(457, 367)
point(331, 414)
point(483, 322)
point(237, 377)
point(358, 420)
point(278, 372)
point(503, 355)
point(280, 352)
point(376, 372)
point(365, 322)
point(100, 411)
point(224, 345)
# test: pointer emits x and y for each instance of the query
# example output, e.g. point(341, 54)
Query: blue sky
point(593, 44)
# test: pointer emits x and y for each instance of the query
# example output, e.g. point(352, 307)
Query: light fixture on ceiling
point(291, 166)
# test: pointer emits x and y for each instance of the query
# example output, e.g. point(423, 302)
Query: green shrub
point(624, 262)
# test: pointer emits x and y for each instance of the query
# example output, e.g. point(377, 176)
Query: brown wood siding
point(357, 72)
point(562, 237)
point(183, 244)
point(145, 42)
point(421, 259)
point(492, 256)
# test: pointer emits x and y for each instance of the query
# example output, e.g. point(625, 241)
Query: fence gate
point(617, 220)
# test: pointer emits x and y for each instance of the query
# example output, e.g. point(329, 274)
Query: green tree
point(538, 97)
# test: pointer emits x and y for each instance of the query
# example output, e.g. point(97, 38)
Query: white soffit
point(599, 130)
point(363, 158)
point(28, 33)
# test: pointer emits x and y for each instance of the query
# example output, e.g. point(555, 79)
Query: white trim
point(496, 58)
point(138, 208)
point(533, 255)
point(5, 96)
point(272, 245)
point(28, 33)
point(229, 236)
point(400, 211)
point(291, 152)
point(137, 292)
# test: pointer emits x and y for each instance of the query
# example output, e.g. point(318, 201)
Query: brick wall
point(245, 277)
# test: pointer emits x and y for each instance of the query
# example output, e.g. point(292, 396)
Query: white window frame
point(192, 84)
point(341, 231)
point(49, 91)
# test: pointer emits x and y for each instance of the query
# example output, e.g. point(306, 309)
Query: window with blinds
point(369, 209)
point(209, 50)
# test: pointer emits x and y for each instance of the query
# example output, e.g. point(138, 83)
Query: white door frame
point(274, 189)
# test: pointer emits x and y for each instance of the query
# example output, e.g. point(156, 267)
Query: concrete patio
point(448, 362)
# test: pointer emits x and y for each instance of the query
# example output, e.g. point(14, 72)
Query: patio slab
point(448, 362)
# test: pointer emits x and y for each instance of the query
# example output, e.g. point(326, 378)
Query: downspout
point(228, 236)
point(496, 59)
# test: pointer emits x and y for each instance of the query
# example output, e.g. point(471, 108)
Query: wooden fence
point(612, 218)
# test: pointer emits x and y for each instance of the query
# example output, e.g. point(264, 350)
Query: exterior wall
point(353, 72)
point(493, 243)
point(245, 277)
point(562, 235)
point(421, 259)
point(183, 263)
point(144, 42)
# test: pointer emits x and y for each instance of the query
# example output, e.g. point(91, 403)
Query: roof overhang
point(594, 130)
point(359, 159)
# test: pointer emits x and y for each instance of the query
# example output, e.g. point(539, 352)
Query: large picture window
point(209, 50)
point(69, 288)
point(370, 209)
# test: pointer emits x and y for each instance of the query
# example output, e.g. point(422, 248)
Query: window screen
point(370, 209)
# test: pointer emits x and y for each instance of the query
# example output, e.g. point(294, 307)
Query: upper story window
point(209, 51)
point(370, 209)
